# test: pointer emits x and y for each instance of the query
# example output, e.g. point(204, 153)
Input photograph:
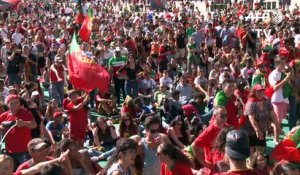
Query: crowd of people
point(191, 92)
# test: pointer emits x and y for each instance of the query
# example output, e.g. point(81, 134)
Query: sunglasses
point(154, 131)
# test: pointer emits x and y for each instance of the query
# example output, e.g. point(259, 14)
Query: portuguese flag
point(86, 28)
point(80, 16)
point(289, 148)
point(14, 3)
point(84, 72)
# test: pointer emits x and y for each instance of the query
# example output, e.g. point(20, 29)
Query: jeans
point(108, 152)
point(119, 85)
point(131, 88)
point(19, 158)
point(292, 112)
point(57, 91)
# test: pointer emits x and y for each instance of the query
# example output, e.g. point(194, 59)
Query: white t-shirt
point(4, 55)
point(200, 81)
point(108, 54)
point(3, 33)
point(133, 34)
point(166, 81)
point(274, 77)
point(17, 37)
point(4, 94)
point(68, 10)
point(149, 83)
point(245, 70)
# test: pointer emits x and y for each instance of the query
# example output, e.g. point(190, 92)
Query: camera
point(287, 69)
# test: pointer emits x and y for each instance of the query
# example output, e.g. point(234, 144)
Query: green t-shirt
point(116, 63)
point(258, 79)
point(158, 96)
point(221, 98)
point(190, 31)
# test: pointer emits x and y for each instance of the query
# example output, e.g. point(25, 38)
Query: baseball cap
point(264, 56)
point(57, 114)
point(260, 62)
point(10, 88)
point(237, 145)
point(36, 144)
point(258, 87)
point(11, 97)
point(117, 49)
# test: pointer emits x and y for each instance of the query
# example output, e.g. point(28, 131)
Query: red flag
point(288, 149)
point(80, 16)
point(14, 3)
point(85, 73)
point(86, 28)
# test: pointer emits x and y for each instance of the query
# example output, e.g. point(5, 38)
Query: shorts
point(180, 53)
point(254, 141)
point(14, 79)
point(280, 109)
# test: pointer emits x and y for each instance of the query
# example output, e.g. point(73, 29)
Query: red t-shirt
point(65, 103)
point(28, 164)
point(18, 138)
point(53, 77)
point(216, 156)
point(162, 50)
point(78, 121)
point(242, 94)
point(179, 169)
point(130, 45)
point(242, 172)
point(207, 138)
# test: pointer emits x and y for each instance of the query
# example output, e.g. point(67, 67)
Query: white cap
point(118, 49)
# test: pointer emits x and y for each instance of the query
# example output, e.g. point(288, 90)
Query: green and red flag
point(14, 3)
point(86, 28)
point(289, 148)
point(84, 72)
point(80, 16)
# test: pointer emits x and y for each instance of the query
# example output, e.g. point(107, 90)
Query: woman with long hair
point(51, 109)
point(173, 161)
point(104, 136)
point(127, 126)
point(258, 163)
point(259, 116)
point(130, 72)
point(179, 132)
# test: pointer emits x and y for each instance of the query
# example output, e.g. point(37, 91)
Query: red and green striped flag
point(84, 72)
point(86, 28)
point(289, 148)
